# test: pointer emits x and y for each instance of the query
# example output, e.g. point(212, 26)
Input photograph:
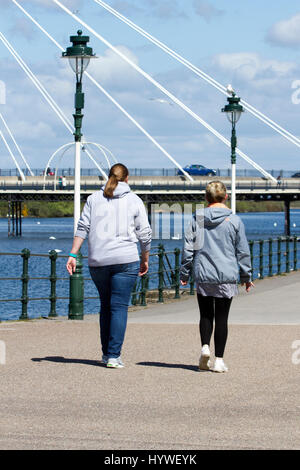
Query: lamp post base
point(76, 310)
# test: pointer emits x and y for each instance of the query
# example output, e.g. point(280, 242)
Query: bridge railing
point(270, 257)
point(243, 172)
point(198, 185)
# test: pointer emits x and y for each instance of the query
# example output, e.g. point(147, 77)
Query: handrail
point(270, 257)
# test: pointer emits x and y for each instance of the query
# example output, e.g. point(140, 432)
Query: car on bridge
point(198, 170)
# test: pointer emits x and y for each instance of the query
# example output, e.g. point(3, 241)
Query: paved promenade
point(56, 395)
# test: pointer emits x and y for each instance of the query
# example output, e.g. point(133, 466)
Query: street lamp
point(79, 55)
point(233, 112)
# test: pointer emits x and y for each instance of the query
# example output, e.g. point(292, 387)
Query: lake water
point(36, 237)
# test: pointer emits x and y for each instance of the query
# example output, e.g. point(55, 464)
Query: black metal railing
point(274, 256)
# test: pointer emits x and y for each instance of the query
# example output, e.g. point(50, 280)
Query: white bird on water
point(52, 238)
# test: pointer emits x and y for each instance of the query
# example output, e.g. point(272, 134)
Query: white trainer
point(115, 363)
point(204, 362)
point(219, 365)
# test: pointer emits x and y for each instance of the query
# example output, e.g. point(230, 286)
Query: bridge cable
point(165, 91)
point(12, 156)
point(46, 95)
point(17, 146)
point(292, 138)
point(110, 97)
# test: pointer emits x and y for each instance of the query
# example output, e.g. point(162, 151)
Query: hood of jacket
point(121, 190)
point(214, 216)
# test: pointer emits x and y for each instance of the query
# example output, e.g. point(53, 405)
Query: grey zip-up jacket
point(114, 226)
point(216, 248)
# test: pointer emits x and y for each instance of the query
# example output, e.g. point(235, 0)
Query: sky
point(252, 45)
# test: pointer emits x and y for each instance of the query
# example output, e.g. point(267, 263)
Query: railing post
point(251, 243)
point(177, 273)
point(270, 257)
point(76, 292)
point(134, 294)
point(53, 258)
point(295, 253)
point(192, 284)
point(279, 255)
point(161, 251)
point(25, 279)
point(287, 253)
point(261, 258)
point(145, 283)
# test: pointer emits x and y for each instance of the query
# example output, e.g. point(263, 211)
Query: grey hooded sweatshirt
point(216, 248)
point(114, 226)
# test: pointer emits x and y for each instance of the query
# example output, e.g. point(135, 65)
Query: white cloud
point(126, 7)
point(206, 10)
point(50, 4)
point(165, 9)
point(110, 69)
point(250, 66)
point(22, 27)
point(286, 32)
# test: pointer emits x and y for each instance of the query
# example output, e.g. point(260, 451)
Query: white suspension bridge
point(108, 156)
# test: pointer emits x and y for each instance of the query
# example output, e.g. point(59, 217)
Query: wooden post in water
point(287, 219)
point(149, 212)
point(9, 216)
point(17, 217)
point(20, 212)
point(13, 218)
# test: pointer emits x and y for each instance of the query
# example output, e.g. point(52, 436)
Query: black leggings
point(214, 308)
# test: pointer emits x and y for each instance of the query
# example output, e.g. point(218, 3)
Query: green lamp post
point(79, 55)
point(233, 112)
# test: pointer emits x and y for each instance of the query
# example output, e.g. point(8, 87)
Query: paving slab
point(55, 394)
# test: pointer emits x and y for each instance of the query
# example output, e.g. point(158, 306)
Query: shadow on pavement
point(170, 366)
point(67, 361)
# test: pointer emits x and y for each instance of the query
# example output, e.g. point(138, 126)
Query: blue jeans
point(114, 283)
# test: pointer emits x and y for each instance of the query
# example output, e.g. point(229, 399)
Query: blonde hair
point(118, 172)
point(215, 192)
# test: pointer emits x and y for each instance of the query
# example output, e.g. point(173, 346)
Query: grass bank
point(65, 208)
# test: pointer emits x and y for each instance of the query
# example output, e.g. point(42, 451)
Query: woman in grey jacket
point(217, 250)
point(115, 220)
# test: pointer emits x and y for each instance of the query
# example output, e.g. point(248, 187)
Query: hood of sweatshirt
point(214, 216)
point(121, 190)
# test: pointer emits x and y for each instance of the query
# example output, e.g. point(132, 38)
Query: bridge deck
point(151, 189)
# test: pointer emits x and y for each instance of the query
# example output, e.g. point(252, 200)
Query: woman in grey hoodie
point(217, 250)
point(115, 220)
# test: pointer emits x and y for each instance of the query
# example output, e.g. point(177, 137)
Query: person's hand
point(183, 283)
point(71, 265)
point(248, 285)
point(144, 266)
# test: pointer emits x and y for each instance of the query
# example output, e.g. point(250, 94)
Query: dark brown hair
point(118, 172)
